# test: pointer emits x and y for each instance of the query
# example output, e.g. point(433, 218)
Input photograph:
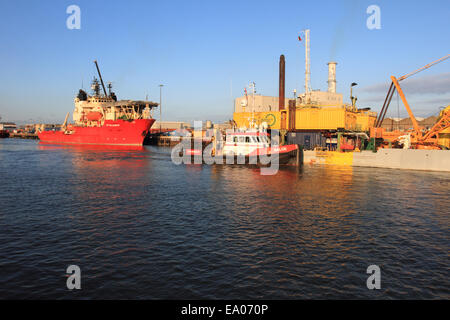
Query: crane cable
point(398, 112)
point(424, 67)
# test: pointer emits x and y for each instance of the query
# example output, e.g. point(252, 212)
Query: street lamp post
point(160, 104)
point(353, 99)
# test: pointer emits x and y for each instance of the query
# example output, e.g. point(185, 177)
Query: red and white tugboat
point(248, 146)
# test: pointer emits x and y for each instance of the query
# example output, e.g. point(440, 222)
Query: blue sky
point(206, 52)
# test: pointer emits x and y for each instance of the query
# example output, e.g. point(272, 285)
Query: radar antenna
point(109, 86)
point(95, 86)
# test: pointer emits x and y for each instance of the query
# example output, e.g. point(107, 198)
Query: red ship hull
point(4, 134)
point(117, 133)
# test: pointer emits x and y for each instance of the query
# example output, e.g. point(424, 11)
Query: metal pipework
point(281, 89)
point(101, 80)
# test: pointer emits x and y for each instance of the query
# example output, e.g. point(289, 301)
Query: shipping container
point(308, 140)
point(310, 118)
point(326, 118)
point(365, 120)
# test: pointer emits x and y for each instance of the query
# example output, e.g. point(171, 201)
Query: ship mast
point(101, 80)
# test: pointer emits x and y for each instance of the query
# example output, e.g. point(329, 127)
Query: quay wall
point(433, 160)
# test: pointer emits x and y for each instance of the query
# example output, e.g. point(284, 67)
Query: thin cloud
point(441, 101)
point(430, 84)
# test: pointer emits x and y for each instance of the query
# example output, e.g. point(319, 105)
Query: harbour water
point(142, 227)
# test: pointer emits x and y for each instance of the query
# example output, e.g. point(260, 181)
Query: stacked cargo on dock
point(310, 118)
point(308, 140)
point(365, 119)
point(312, 110)
point(325, 118)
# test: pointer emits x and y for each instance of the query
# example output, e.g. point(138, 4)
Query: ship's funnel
point(281, 92)
point(332, 77)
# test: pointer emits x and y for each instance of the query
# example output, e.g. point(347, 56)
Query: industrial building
point(312, 110)
point(312, 118)
point(170, 125)
point(258, 103)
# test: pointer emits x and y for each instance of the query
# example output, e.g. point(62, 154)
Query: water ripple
point(141, 227)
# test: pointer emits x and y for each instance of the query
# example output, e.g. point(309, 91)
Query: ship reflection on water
point(140, 226)
point(88, 148)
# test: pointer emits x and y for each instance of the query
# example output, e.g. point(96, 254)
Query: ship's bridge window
point(235, 139)
point(255, 139)
point(247, 139)
point(241, 139)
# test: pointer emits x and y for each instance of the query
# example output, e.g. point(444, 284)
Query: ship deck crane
point(417, 135)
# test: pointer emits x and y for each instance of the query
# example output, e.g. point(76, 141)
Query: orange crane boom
point(442, 123)
point(395, 85)
point(405, 102)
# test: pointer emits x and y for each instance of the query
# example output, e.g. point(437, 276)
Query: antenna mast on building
point(252, 85)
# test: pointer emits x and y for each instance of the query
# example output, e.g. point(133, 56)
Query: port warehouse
point(313, 119)
point(329, 118)
point(310, 119)
point(316, 114)
point(309, 126)
point(306, 124)
point(319, 118)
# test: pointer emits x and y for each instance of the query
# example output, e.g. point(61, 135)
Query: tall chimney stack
point(332, 77)
point(281, 92)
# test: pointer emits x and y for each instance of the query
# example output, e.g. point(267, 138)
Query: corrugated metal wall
point(324, 119)
point(308, 140)
point(365, 120)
